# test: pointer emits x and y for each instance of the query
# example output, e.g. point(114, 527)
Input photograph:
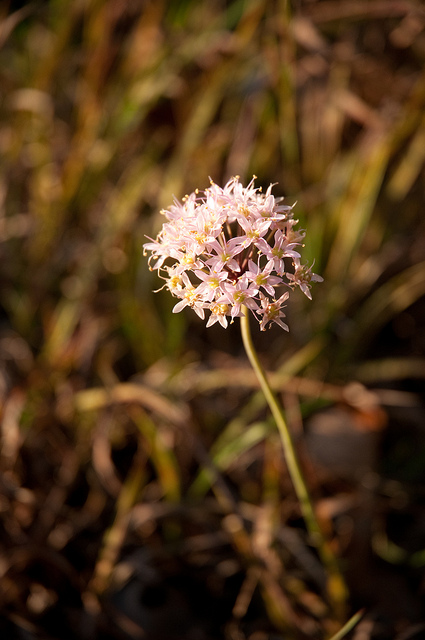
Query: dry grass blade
point(396, 295)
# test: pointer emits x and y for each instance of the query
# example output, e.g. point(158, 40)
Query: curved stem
point(336, 585)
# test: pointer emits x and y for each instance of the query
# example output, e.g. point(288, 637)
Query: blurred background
point(143, 490)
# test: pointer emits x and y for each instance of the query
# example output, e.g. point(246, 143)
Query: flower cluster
point(229, 248)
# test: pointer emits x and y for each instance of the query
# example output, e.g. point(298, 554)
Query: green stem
point(336, 586)
point(348, 626)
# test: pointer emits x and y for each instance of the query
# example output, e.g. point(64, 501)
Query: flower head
point(225, 249)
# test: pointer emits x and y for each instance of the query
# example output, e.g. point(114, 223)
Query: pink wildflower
point(302, 277)
point(271, 311)
point(227, 248)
